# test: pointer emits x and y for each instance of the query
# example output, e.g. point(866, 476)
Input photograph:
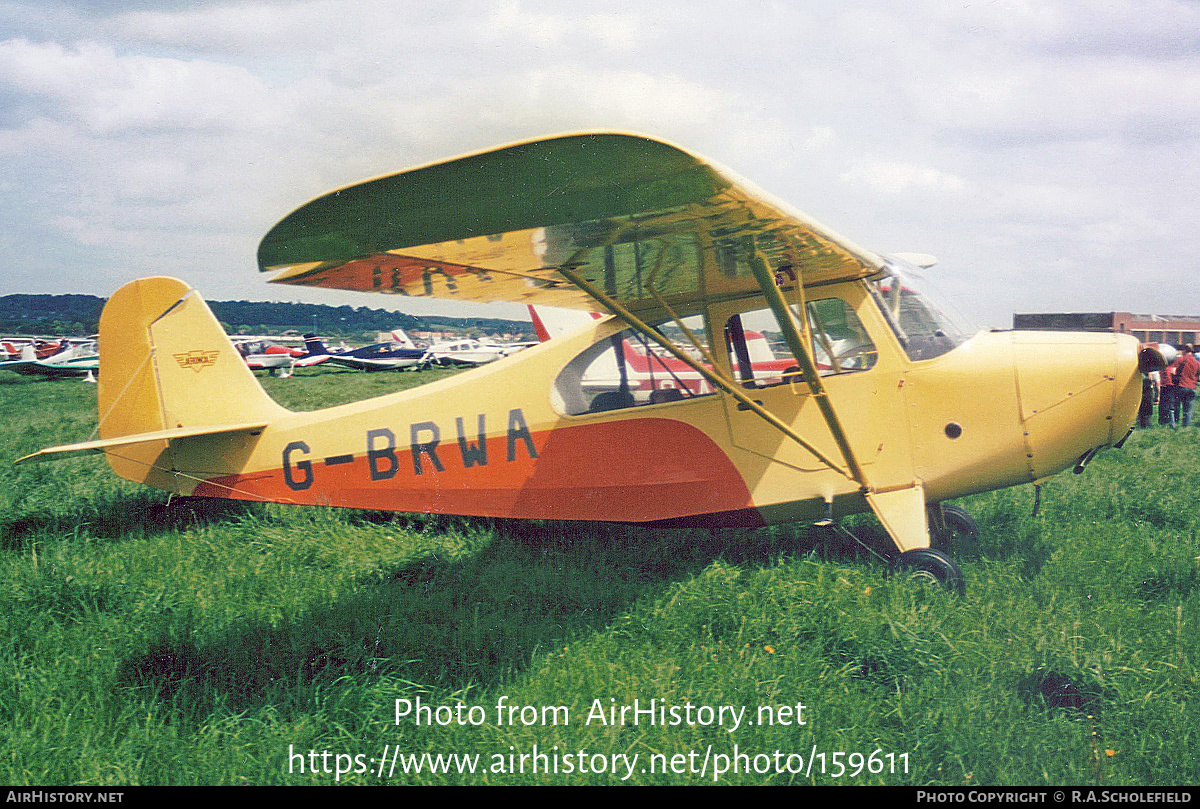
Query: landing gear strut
point(946, 523)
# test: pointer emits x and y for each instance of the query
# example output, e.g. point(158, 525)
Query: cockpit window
point(631, 370)
point(907, 301)
point(761, 358)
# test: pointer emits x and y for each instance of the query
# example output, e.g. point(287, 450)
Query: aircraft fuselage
point(1000, 409)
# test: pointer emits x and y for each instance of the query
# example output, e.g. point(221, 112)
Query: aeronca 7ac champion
point(753, 366)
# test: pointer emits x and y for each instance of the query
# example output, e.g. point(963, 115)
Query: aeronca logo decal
point(197, 360)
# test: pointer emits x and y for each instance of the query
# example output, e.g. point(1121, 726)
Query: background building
point(1173, 329)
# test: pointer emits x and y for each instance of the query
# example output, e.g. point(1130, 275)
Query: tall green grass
point(153, 641)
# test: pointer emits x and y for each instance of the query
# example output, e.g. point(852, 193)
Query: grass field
point(147, 641)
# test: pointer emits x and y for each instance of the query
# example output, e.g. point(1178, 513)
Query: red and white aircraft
point(637, 370)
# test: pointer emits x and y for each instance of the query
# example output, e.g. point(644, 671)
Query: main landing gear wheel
point(930, 565)
point(950, 525)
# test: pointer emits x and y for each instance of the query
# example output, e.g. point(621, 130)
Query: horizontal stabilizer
point(51, 453)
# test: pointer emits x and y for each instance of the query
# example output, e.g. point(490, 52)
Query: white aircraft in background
point(74, 358)
point(469, 352)
point(263, 354)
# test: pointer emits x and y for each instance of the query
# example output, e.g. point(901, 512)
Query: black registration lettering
point(381, 457)
point(517, 429)
point(429, 447)
point(472, 453)
point(303, 467)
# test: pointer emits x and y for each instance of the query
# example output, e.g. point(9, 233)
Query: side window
point(631, 370)
point(760, 357)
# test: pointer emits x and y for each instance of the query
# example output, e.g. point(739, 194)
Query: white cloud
point(1003, 136)
point(818, 138)
point(242, 27)
point(1079, 99)
point(889, 178)
point(618, 31)
point(509, 20)
point(108, 93)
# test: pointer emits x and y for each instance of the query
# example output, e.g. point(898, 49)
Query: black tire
point(930, 565)
point(958, 519)
point(956, 524)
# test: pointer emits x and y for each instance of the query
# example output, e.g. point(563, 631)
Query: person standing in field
point(1166, 394)
point(1185, 384)
point(1150, 383)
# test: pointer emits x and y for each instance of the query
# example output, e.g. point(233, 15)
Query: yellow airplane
point(753, 368)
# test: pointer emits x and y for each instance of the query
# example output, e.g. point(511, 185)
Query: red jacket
point(1187, 371)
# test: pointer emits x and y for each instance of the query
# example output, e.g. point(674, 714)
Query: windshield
point(924, 328)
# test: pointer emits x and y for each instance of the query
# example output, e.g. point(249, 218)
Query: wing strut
point(800, 350)
point(716, 379)
point(901, 511)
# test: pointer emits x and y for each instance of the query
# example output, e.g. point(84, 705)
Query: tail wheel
point(949, 523)
point(927, 564)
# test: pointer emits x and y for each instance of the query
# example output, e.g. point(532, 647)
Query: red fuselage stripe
point(633, 470)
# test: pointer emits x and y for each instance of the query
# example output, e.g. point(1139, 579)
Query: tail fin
point(167, 365)
point(550, 322)
point(314, 346)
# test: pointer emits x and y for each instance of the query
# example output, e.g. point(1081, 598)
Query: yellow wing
point(627, 212)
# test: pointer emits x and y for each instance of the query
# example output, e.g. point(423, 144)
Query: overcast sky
point(1047, 152)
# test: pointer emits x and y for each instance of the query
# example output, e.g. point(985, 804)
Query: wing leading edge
point(628, 213)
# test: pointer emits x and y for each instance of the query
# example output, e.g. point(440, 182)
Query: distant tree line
point(77, 315)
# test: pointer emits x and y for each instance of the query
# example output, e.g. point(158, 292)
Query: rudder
point(166, 363)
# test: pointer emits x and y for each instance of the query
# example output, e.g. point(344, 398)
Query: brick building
point(1173, 329)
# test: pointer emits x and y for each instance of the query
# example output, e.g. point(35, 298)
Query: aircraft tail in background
point(403, 339)
point(550, 321)
point(314, 346)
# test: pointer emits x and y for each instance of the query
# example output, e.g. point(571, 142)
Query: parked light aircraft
point(400, 352)
point(893, 409)
point(16, 348)
point(468, 351)
point(72, 359)
point(10, 350)
point(263, 354)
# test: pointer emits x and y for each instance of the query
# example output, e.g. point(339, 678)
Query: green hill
point(75, 315)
